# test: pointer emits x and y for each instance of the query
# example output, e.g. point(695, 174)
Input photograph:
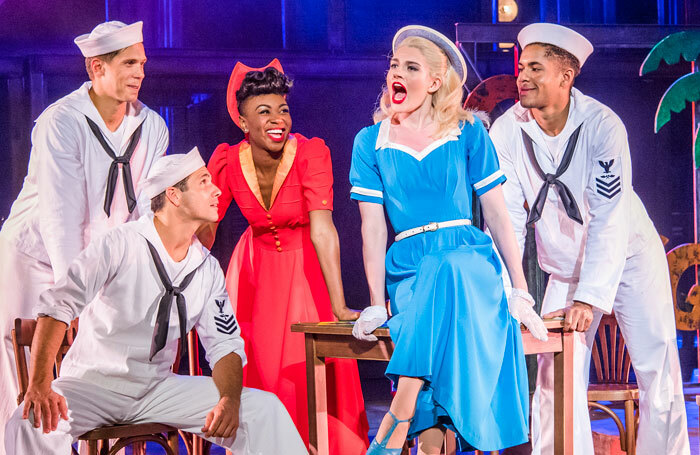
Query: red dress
point(274, 280)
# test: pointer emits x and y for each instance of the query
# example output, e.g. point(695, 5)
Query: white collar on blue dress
point(384, 142)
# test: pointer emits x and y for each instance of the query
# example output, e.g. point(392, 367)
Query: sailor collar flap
point(147, 229)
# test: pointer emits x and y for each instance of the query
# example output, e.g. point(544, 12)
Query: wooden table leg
point(317, 400)
point(563, 396)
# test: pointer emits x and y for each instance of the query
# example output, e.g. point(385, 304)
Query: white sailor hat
point(169, 170)
point(109, 37)
point(453, 54)
point(560, 36)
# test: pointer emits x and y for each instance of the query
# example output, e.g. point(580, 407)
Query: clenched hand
point(222, 421)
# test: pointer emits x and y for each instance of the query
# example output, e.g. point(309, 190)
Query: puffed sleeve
point(217, 167)
point(62, 188)
point(316, 174)
point(482, 161)
point(365, 179)
point(217, 326)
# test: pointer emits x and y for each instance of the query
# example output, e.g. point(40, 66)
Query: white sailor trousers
point(644, 311)
point(181, 401)
point(22, 279)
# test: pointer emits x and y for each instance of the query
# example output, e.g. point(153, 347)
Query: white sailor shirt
point(586, 259)
point(114, 287)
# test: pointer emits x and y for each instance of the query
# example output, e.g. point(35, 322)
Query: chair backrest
point(679, 260)
point(610, 356)
point(22, 336)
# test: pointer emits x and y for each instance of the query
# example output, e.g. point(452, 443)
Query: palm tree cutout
point(684, 90)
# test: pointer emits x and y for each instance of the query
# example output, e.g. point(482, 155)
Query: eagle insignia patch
point(608, 184)
point(225, 323)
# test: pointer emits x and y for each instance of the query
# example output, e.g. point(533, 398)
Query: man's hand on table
point(48, 406)
point(222, 421)
point(577, 317)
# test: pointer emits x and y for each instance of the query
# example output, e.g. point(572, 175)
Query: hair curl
point(565, 58)
point(266, 82)
point(446, 102)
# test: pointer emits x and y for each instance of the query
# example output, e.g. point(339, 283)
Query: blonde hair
point(446, 102)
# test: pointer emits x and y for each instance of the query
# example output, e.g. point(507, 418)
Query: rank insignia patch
point(608, 184)
point(225, 323)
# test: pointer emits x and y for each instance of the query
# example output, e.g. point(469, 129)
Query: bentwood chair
point(612, 366)
point(98, 439)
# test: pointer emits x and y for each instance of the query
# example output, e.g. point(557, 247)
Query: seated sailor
point(137, 290)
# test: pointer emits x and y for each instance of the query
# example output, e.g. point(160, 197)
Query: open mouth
point(276, 135)
point(398, 93)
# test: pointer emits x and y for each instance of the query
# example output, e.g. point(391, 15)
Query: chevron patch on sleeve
point(608, 182)
point(225, 322)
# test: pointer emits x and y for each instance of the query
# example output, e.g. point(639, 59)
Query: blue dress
point(451, 324)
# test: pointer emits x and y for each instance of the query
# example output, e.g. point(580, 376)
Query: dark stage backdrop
point(335, 51)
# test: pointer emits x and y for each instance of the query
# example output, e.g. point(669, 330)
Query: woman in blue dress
point(458, 362)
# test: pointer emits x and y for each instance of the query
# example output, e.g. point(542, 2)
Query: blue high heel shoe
point(379, 448)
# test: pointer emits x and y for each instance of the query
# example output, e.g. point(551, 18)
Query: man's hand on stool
point(222, 421)
point(577, 317)
point(371, 317)
point(48, 406)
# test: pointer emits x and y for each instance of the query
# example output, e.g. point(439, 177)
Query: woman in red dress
point(286, 266)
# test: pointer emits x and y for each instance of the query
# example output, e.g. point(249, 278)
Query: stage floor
point(377, 398)
point(377, 406)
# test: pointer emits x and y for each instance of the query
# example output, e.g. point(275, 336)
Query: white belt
point(430, 227)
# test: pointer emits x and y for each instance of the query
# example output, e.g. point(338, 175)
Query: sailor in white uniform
point(138, 289)
point(566, 155)
point(91, 151)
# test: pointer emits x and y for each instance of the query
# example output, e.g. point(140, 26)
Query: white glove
point(520, 307)
point(371, 317)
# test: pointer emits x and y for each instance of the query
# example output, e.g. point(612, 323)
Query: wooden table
point(334, 339)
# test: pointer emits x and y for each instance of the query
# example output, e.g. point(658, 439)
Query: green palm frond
point(685, 90)
point(670, 50)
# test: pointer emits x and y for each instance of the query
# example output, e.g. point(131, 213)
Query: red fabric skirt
point(271, 290)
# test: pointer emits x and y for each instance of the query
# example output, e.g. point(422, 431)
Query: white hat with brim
point(109, 37)
point(453, 54)
point(169, 170)
point(557, 35)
